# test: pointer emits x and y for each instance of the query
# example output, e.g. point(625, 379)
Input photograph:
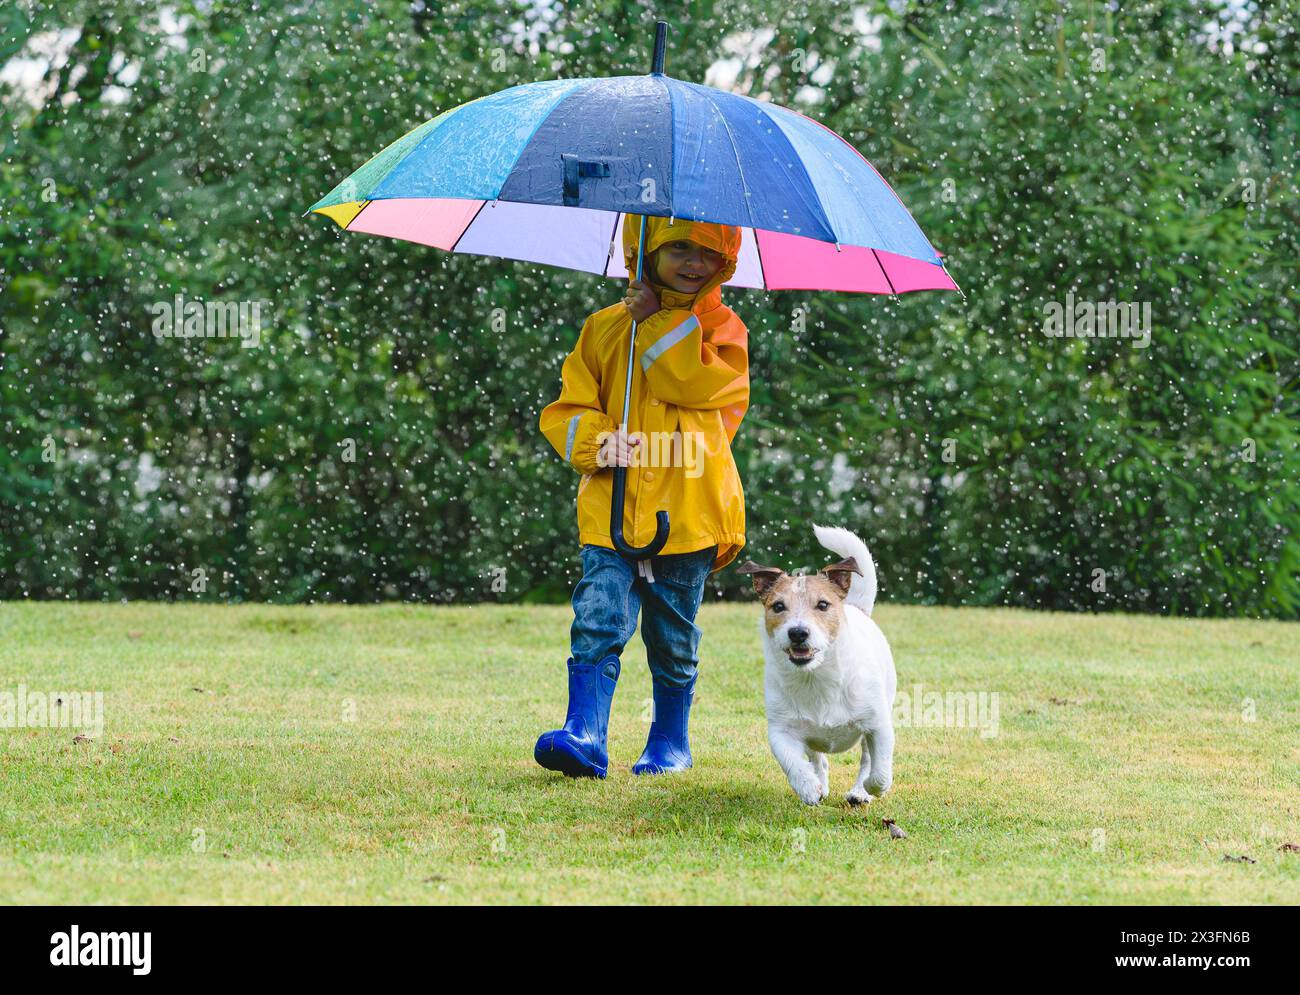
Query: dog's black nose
point(798, 635)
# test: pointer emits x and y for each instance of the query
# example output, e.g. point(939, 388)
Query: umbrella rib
point(354, 217)
point(735, 152)
point(816, 208)
point(609, 252)
point(879, 176)
point(758, 251)
point(884, 272)
point(672, 146)
point(481, 205)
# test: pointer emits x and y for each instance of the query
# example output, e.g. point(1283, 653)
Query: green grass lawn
point(384, 754)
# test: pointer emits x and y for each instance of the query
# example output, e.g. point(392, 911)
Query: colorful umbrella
point(544, 172)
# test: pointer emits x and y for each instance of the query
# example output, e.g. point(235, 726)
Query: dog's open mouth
point(800, 655)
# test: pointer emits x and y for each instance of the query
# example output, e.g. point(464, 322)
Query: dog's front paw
point(858, 796)
point(809, 790)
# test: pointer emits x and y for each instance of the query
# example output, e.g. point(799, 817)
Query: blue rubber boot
point(578, 749)
point(668, 747)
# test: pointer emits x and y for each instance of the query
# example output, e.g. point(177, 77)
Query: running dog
point(830, 677)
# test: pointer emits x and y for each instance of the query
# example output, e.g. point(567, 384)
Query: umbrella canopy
point(544, 171)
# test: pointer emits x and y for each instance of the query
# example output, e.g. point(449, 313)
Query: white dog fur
point(832, 686)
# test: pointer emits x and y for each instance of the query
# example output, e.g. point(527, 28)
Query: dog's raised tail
point(842, 542)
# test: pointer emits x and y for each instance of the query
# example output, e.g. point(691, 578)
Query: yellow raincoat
point(690, 390)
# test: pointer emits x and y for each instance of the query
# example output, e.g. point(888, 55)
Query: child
point(690, 389)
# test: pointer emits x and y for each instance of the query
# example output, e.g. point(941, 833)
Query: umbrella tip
point(944, 267)
point(661, 43)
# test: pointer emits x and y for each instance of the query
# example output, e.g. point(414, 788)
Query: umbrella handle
point(616, 522)
point(620, 472)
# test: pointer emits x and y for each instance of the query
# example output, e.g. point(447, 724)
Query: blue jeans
point(611, 592)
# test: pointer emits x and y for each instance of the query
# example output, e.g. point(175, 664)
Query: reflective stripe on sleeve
point(573, 431)
point(668, 341)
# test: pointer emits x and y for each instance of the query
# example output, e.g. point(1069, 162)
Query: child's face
point(686, 266)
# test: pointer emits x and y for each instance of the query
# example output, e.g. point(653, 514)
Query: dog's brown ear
point(841, 574)
point(763, 577)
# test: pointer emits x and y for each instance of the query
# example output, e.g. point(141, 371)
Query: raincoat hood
point(720, 238)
